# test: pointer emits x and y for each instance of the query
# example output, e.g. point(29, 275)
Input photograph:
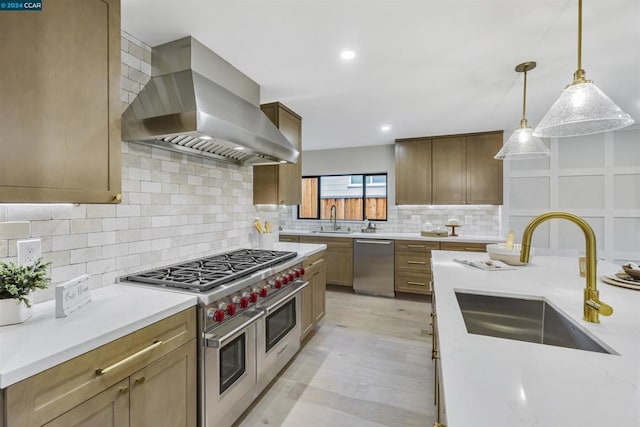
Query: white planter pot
point(13, 311)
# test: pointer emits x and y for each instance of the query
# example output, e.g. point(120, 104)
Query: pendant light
point(582, 108)
point(522, 144)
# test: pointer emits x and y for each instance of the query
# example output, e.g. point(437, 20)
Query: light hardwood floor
point(369, 365)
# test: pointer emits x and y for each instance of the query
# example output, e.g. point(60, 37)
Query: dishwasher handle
point(375, 242)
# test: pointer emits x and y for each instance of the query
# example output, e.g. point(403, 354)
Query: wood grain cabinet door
point(484, 173)
point(60, 94)
point(165, 392)
point(449, 171)
point(109, 408)
point(319, 284)
point(413, 171)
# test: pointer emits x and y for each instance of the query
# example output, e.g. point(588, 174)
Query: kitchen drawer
point(413, 261)
point(289, 238)
point(413, 282)
point(416, 245)
point(44, 396)
point(462, 246)
point(313, 259)
point(334, 242)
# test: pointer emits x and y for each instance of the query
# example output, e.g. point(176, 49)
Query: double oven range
point(249, 323)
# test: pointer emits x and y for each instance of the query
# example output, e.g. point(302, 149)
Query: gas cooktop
point(210, 272)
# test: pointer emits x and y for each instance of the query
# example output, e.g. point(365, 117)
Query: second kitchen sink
point(523, 319)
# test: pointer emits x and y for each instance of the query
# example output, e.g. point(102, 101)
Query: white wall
point(596, 177)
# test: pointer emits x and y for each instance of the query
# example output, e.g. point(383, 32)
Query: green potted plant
point(16, 283)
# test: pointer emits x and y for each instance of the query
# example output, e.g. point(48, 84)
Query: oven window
point(232, 362)
point(280, 322)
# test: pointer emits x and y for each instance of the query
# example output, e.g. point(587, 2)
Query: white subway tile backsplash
point(85, 254)
point(67, 272)
point(130, 60)
point(71, 241)
point(128, 210)
point(114, 224)
point(101, 211)
point(92, 225)
point(158, 244)
point(119, 249)
point(64, 211)
point(101, 239)
point(151, 187)
point(49, 228)
point(15, 230)
point(28, 212)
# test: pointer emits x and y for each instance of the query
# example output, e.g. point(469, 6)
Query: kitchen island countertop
point(491, 381)
point(44, 341)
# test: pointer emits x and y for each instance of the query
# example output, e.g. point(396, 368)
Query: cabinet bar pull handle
point(417, 283)
point(124, 390)
point(126, 360)
point(317, 261)
point(416, 246)
point(140, 380)
point(417, 262)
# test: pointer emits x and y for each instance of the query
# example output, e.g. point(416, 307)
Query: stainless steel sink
point(531, 320)
point(332, 231)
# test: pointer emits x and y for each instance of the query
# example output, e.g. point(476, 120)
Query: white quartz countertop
point(491, 381)
point(44, 341)
point(396, 236)
point(304, 250)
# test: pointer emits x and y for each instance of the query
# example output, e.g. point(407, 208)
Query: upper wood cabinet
point(449, 170)
point(413, 171)
point(280, 184)
point(60, 95)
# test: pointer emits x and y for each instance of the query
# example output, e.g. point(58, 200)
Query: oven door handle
point(212, 340)
point(297, 287)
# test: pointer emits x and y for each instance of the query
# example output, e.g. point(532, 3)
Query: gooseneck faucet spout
point(592, 304)
point(333, 218)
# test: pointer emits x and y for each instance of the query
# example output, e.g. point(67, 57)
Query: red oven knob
point(285, 280)
point(253, 297)
point(231, 309)
point(218, 316)
point(301, 270)
point(244, 302)
point(263, 292)
point(278, 284)
point(290, 276)
point(296, 272)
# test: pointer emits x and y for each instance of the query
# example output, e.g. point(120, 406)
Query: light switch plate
point(29, 251)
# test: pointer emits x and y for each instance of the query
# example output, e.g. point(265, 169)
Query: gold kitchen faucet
point(593, 307)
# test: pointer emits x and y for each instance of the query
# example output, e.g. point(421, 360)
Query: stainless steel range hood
point(197, 103)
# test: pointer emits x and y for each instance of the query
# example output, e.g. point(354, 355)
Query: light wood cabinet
point(462, 246)
point(449, 169)
point(314, 295)
point(413, 266)
point(291, 238)
point(464, 170)
point(441, 417)
point(413, 171)
point(338, 257)
point(87, 389)
point(280, 184)
point(60, 136)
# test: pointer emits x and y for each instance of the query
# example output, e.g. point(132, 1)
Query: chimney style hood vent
point(197, 103)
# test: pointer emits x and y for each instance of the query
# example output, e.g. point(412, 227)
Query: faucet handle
point(602, 308)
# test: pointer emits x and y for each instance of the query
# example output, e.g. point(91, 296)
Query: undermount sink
point(523, 319)
point(332, 231)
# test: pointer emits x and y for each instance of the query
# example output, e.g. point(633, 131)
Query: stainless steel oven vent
point(199, 104)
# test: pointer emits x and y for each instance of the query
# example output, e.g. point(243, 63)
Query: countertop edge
point(396, 236)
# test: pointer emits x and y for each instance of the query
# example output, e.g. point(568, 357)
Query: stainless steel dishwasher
point(373, 267)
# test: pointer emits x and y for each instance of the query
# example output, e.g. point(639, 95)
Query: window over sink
point(356, 197)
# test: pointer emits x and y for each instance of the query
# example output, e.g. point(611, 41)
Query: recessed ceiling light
point(385, 128)
point(347, 54)
point(283, 161)
point(205, 137)
point(238, 148)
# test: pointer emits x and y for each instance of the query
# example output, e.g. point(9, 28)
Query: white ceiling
point(425, 67)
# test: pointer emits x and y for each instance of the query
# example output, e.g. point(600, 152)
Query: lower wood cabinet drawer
point(313, 259)
point(416, 245)
point(412, 282)
point(289, 238)
point(413, 261)
point(44, 396)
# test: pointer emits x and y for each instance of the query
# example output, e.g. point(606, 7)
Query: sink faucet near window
point(333, 218)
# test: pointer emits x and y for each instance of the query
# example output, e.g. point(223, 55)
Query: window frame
point(364, 186)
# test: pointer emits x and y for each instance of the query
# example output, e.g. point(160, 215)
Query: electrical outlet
point(29, 251)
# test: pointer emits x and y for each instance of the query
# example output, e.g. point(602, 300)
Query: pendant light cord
point(524, 100)
point(579, 34)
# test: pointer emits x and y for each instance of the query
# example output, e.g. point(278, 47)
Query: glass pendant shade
point(581, 109)
point(523, 145)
